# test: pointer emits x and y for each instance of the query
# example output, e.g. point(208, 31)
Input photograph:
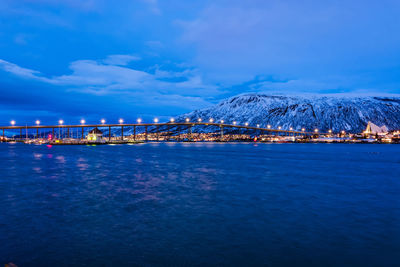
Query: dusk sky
point(95, 58)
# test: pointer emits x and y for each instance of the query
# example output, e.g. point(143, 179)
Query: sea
point(200, 204)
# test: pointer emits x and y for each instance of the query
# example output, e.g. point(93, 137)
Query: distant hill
point(323, 112)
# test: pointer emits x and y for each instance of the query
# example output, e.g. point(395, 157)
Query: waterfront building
point(95, 135)
point(373, 129)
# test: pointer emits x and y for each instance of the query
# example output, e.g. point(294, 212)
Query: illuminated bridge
point(149, 131)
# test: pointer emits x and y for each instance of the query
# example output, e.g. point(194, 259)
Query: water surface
point(200, 204)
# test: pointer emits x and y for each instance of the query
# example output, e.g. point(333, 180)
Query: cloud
point(120, 60)
point(110, 77)
point(236, 40)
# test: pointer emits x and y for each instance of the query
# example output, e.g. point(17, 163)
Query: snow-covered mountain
point(323, 112)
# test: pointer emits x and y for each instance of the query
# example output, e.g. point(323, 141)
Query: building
point(94, 135)
point(373, 129)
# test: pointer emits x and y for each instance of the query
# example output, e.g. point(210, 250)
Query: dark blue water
point(200, 204)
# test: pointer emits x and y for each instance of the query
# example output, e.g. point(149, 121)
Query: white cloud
point(104, 78)
point(121, 60)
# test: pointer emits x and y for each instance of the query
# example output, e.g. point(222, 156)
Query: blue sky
point(95, 58)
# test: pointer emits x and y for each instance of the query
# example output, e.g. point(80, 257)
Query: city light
point(12, 122)
point(258, 125)
point(211, 120)
point(247, 124)
point(330, 131)
point(291, 128)
point(37, 122)
point(269, 126)
point(343, 132)
point(61, 122)
point(279, 127)
point(83, 121)
point(234, 122)
point(316, 130)
point(187, 119)
point(303, 129)
point(199, 119)
point(156, 120)
point(139, 120)
point(121, 121)
point(222, 121)
point(103, 121)
point(172, 120)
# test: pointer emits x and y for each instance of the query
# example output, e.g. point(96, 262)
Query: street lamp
point(12, 122)
point(37, 122)
point(121, 121)
point(83, 121)
point(60, 122)
point(172, 120)
point(211, 120)
point(279, 127)
point(330, 131)
point(316, 130)
point(269, 126)
point(247, 124)
point(139, 120)
point(303, 129)
point(199, 119)
point(291, 128)
point(103, 121)
point(156, 120)
point(258, 125)
point(234, 122)
point(222, 121)
point(187, 119)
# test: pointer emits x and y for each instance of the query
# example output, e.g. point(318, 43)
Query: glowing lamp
point(172, 120)
point(60, 122)
point(12, 122)
point(199, 119)
point(247, 124)
point(103, 121)
point(139, 120)
point(156, 120)
point(37, 122)
point(83, 121)
point(121, 121)
point(211, 120)
point(187, 119)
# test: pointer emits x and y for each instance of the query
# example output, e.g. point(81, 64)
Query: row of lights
point(156, 120)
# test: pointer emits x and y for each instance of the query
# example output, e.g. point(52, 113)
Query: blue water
point(200, 204)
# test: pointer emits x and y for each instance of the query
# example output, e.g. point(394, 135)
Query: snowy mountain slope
point(323, 112)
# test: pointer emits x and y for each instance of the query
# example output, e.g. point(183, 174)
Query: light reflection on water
point(200, 204)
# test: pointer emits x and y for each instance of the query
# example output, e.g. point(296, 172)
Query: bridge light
point(211, 120)
point(269, 126)
point(121, 121)
point(139, 120)
point(187, 119)
point(83, 121)
point(279, 127)
point(343, 132)
point(171, 119)
point(258, 125)
point(222, 121)
point(247, 124)
point(12, 122)
point(302, 129)
point(316, 130)
point(103, 121)
point(37, 122)
point(199, 119)
point(156, 120)
point(61, 122)
point(330, 131)
point(234, 122)
point(291, 128)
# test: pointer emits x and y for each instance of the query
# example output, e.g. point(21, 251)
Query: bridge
point(157, 129)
